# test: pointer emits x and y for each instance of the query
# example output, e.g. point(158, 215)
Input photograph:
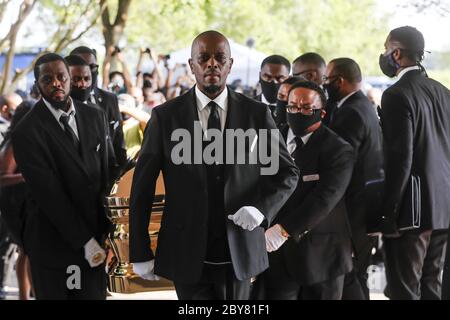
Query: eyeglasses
point(306, 109)
point(325, 78)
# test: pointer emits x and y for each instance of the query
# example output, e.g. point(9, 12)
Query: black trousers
point(57, 283)
point(280, 285)
point(217, 282)
point(355, 285)
point(414, 262)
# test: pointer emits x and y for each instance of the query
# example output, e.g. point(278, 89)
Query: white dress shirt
point(203, 111)
point(402, 73)
point(57, 113)
point(291, 144)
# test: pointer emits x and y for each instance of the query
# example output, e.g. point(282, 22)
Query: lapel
point(50, 124)
point(189, 114)
point(98, 97)
point(83, 133)
point(308, 153)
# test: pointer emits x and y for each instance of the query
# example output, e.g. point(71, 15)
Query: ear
point(191, 65)
point(322, 113)
point(397, 55)
point(231, 64)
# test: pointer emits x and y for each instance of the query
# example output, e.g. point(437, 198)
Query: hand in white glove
point(145, 270)
point(274, 238)
point(247, 218)
point(93, 253)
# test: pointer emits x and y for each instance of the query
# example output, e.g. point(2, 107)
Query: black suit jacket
point(109, 103)
point(66, 189)
point(357, 123)
point(416, 130)
point(182, 238)
point(315, 216)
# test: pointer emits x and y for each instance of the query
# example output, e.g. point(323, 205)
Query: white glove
point(93, 253)
point(248, 218)
point(145, 270)
point(274, 238)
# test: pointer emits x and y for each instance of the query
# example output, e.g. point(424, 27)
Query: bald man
point(8, 104)
point(211, 241)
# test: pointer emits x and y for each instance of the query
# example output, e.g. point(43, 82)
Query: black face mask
point(80, 94)
point(269, 90)
point(299, 122)
point(279, 113)
point(332, 91)
point(387, 65)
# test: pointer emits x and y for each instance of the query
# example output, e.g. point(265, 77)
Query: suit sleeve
point(276, 188)
point(118, 141)
point(145, 175)
point(47, 190)
point(335, 173)
point(397, 126)
point(351, 128)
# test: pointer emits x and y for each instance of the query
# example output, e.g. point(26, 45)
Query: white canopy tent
point(246, 65)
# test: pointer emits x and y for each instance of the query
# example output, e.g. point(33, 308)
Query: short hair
point(311, 86)
point(311, 58)
point(293, 79)
point(47, 58)
point(74, 60)
point(276, 59)
point(207, 33)
point(412, 41)
point(348, 69)
point(84, 50)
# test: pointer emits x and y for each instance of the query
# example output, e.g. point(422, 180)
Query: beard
point(212, 89)
point(57, 104)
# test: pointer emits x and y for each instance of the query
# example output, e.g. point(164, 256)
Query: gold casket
point(120, 270)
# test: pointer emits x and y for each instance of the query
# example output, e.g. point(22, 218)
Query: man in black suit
point(354, 119)
point(205, 253)
point(309, 241)
point(108, 102)
point(60, 148)
point(274, 70)
point(415, 120)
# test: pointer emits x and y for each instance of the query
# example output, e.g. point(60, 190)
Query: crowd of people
point(353, 170)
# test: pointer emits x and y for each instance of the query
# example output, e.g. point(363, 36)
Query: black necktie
point(64, 119)
point(298, 148)
point(214, 118)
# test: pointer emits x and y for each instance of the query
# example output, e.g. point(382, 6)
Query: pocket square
point(312, 177)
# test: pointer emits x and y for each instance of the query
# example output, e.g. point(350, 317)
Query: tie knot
point(299, 142)
point(64, 119)
point(212, 105)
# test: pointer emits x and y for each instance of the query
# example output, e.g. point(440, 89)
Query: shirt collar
point(264, 100)
point(291, 137)
point(402, 73)
point(341, 102)
point(203, 99)
point(57, 113)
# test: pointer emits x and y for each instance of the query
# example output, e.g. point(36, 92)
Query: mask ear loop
point(419, 63)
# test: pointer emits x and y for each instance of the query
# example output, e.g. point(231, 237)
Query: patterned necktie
point(64, 119)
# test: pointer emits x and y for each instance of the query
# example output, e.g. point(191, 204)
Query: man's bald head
point(211, 62)
point(8, 104)
point(208, 36)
